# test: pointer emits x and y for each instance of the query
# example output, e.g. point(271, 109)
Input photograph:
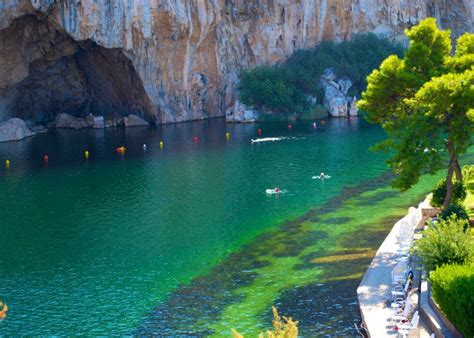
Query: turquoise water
point(95, 247)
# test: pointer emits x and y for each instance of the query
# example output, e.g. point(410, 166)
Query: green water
point(184, 240)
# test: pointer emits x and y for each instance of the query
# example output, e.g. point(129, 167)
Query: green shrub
point(455, 209)
point(285, 87)
point(468, 172)
point(453, 290)
point(458, 195)
point(445, 242)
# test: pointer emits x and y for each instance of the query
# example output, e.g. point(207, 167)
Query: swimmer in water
point(321, 176)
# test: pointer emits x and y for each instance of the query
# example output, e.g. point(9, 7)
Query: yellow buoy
point(227, 135)
point(86, 154)
point(7, 163)
point(162, 144)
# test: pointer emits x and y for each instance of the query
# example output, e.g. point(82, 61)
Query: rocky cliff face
point(173, 60)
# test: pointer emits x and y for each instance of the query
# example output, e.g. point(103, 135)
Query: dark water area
point(183, 239)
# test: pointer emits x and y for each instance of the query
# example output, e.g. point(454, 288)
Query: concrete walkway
point(374, 291)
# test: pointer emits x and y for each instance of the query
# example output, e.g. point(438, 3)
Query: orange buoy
point(121, 150)
point(323, 122)
point(259, 131)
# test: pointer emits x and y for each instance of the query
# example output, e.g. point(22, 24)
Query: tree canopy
point(425, 103)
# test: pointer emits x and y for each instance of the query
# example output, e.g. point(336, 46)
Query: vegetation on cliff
point(285, 87)
point(425, 103)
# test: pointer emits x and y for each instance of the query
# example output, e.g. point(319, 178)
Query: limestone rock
point(96, 122)
point(336, 100)
point(176, 60)
point(38, 129)
point(110, 121)
point(13, 130)
point(134, 121)
point(353, 110)
point(241, 113)
point(64, 120)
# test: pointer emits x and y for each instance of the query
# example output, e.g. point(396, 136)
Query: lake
point(183, 239)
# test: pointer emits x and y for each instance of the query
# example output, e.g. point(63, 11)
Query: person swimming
point(321, 176)
point(276, 190)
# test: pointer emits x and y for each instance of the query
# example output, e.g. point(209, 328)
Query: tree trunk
point(457, 170)
point(449, 185)
point(452, 168)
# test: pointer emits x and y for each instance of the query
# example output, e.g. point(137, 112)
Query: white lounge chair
point(404, 329)
point(401, 292)
point(401, 316)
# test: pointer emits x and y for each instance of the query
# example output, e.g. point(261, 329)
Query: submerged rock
point(134, 121)
point(240, 113)
point(13, 130)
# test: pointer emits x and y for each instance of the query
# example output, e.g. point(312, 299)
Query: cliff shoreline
point(172, 60)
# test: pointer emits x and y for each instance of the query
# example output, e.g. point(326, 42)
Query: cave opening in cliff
point(51, 73)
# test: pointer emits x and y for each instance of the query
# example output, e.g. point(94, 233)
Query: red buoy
point(195, 138)
point(259, 131)
point(290, 126)
point(45, 158)
point(323, 122)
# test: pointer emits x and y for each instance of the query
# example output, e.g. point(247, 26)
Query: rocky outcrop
point(13, 130)
point(172, 60)
point(240, 113)
point(96, 122)
point(64, 120)
point(134, 121)
point(336, 98)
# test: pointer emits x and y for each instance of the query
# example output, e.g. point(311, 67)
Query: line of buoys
point(121, 150)
point(7, 164)
point(259, 131)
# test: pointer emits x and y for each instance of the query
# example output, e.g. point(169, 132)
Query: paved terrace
point(374, 291)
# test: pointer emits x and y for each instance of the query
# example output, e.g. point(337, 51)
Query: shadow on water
point(326, 306)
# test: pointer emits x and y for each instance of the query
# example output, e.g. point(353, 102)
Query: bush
point(453, 290)
point(455, 209)
point(445, 242)
point(458, 195)
point(468, 172)
point(285, 87)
